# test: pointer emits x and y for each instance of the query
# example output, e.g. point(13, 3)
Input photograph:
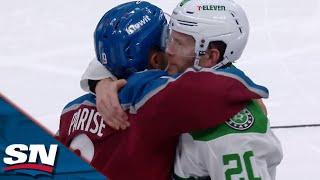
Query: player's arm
point(60, 134)
point(186, 165)
point(108, 104)
point(197, 101)
point(97, 79)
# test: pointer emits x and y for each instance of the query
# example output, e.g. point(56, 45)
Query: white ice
point(46, 45)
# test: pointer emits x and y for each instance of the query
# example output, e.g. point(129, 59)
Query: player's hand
point(108, 103)
point(262, 106)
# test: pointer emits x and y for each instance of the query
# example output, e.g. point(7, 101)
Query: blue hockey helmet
point(125, 35)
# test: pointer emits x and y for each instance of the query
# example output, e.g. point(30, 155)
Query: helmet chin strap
point(197, 62)
point(221, 63)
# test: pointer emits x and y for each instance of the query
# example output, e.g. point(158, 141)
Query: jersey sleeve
point(197, 100)
point(188, 163)
point(94, 71)
point(62, 133)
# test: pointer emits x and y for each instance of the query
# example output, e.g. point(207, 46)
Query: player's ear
point(211, 58)
point(155, 60)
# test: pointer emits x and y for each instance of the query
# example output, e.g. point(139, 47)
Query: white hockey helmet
point(212, 20)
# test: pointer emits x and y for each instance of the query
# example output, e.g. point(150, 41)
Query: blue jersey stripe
point(239, 75)
point(143, 85)
point(87, 97)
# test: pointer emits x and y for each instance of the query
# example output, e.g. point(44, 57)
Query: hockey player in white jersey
point(244, 147)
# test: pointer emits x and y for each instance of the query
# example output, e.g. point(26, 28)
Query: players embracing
point(201, 95)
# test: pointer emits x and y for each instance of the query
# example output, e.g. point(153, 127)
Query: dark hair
point(220, 45)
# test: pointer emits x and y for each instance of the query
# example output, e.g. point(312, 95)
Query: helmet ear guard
point(212, 20)
point(125, 35)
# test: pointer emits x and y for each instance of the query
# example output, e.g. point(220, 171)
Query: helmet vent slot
point(187, 23)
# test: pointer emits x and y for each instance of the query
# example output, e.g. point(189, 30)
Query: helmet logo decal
point(241, 121)
point(104, 58)
point(134, 27)
point(183, 2)
point(211, 8)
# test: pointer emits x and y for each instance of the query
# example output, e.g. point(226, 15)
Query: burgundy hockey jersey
point(160, 108)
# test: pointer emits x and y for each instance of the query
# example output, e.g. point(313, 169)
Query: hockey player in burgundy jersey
point(160, 108)
point(160, 114)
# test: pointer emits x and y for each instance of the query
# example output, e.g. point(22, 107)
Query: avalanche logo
point(34, 157)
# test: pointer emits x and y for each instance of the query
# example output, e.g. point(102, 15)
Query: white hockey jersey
point(244, 148)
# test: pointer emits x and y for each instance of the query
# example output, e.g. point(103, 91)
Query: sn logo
point(20, 156)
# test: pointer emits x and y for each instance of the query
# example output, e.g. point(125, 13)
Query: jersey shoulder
point(239, 75)
point(249, 120)
point(140, 85)
point(88, 99)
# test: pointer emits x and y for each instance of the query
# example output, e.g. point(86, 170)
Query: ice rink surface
point(46, 45)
